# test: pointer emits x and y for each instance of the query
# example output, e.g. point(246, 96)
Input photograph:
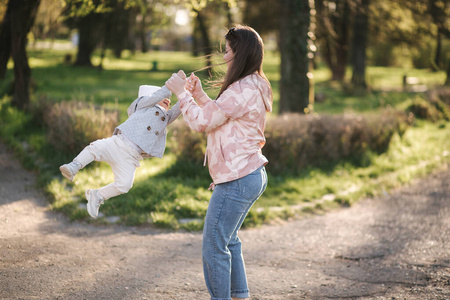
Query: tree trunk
point(120, 24)
point(105, 38)
point(87, 27)
point(437, 56)
point(447, 80)
point(5, 42)
point(23, 13)
point(228, 13)
point(196, 45)
point(143, 33)
point(295, 64)
point(360, 33)
point(342, 42)
point(207, 49)
point(333, 27)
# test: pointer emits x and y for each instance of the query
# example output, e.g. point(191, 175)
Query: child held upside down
point(141, 136)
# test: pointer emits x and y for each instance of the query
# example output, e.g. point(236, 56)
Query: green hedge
point(294, 141)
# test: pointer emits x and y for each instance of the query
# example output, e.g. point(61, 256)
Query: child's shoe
point(94, 202)
point(70, 170)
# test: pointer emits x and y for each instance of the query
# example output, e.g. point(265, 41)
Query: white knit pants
point(122, 158)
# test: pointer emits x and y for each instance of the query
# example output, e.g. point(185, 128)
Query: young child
point(142, 135)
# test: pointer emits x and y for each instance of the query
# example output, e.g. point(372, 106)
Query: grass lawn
point(172, 193)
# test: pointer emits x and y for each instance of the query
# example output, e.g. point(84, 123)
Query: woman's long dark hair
point(248, 49)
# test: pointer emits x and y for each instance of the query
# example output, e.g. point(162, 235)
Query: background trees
point(17, 21)
point(294, 81)
point(345, 33)
point(359, 43)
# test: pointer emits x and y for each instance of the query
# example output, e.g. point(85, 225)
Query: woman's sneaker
point(94, 202)
point(70, 170)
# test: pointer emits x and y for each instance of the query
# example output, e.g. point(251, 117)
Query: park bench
point(413, 84)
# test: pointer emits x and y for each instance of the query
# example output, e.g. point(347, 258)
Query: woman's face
point(229, 54)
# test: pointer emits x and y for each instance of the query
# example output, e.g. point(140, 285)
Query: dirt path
point(394, 247)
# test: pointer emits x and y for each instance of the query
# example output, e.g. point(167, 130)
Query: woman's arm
point(194, 86)
point(214, 113)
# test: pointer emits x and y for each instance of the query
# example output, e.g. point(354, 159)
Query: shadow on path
point(391, 247)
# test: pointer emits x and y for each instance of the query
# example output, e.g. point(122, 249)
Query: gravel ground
point(391, 247)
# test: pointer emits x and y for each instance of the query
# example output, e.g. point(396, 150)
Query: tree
point(95, 20)
point(119, 21)
point(48, 23)
point(262, 15)
point(145, 10)
point(295, 62)
point(86, 17)
point(333, 34)
point(19, 18)
point(359, 45)
point(206, 44)
point(5, 41)
point(438, 13)
point(150, 16)
point(201, 36)
point(89, 33)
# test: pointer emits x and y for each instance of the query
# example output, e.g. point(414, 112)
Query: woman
point(234, 124)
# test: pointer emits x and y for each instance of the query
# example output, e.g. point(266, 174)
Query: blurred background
point(361, 97)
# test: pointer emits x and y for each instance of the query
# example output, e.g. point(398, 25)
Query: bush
point(72, 125)
point(439, 94)
point(440, 98)
point(295, 141)
point(187, 144)
point(434, 108)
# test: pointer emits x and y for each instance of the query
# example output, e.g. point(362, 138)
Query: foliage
point(439, 94)
point(262, 15)
point(49, 22)
point(296, 141)
point(72, 125)
point(13, 122)
point(405, 33)
point(198, 5)
point(172, 191)
point(186, 144)
point(432, 108)
point(82, 8)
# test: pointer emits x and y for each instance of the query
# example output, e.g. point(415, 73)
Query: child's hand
point(181, 74)
point(176, 83)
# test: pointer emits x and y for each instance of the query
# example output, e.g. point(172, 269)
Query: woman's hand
point(194, 86)
point(176, 83)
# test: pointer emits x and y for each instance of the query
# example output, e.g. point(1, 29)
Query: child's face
point(165, 103)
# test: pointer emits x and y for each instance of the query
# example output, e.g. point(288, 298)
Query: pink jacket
point(235, 125)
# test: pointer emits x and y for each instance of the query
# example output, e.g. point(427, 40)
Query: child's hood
point(147, 90)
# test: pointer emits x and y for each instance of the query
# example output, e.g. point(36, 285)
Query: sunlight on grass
point(162, 200)
point(167, 190)
point(152, 166)
point(422, 149)
point(379, 78)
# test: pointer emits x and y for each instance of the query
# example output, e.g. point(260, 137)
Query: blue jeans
point(223, 263)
